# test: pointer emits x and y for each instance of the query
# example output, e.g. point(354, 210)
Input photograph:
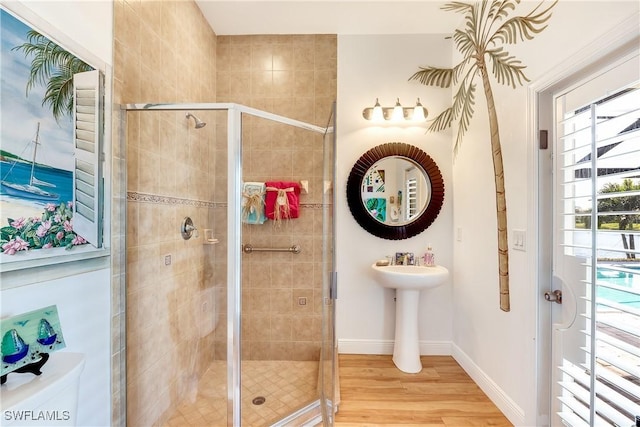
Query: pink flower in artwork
point(13, 246)
point(70, 205)
point(43, 228)
point(8, 248)
point(53, 228)
point(21, 245)
point(18, 223)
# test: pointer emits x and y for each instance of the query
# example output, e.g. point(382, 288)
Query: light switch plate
point(519, 242)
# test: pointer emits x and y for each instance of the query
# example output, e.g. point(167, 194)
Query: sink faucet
point(404, 258)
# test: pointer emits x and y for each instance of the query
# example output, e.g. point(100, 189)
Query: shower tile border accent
point(134, 196)
point(168, 200)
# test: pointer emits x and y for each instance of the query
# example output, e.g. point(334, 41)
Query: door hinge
point(543, 138)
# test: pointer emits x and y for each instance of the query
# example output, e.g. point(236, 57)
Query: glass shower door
point(284, 307)
point(329, 280)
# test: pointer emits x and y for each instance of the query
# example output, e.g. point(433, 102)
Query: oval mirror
point(395, 191)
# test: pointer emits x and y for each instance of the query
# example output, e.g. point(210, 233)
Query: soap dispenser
point(429, 259)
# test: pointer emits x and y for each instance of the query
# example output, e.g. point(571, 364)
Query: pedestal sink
point(408, 281)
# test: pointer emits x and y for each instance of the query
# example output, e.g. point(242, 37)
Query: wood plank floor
point(373, 392)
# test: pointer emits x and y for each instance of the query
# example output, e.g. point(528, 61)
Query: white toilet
point(49, 399)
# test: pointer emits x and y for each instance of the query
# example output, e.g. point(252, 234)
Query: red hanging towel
point(282, 200)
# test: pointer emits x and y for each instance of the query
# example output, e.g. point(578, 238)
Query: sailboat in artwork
point(31, 190)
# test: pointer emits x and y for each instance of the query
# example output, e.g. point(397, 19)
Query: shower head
point(199, 123)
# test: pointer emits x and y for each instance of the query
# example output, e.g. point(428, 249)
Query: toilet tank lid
point(61, 370)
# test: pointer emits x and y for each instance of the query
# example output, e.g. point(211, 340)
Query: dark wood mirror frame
point(354, 187)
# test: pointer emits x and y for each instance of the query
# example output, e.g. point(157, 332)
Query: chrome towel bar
point(247, 249)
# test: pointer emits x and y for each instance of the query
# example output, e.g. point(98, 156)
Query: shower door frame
point(234, 233)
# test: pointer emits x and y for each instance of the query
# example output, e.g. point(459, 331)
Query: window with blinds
point(598, 160)
point(412, 197)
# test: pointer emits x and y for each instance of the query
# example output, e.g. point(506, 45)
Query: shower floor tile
point(285, 385)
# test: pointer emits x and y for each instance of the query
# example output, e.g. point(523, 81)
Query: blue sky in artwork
point(21, 112)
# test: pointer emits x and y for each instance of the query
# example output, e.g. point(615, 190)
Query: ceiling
point(236, 17)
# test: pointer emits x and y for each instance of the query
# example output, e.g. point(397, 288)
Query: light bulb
point(398, 114)
point(419, 112)
point(377, 115)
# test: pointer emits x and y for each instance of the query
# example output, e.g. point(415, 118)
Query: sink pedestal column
point(406, 349)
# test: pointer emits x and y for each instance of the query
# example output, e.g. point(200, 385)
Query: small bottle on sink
point(429, 259)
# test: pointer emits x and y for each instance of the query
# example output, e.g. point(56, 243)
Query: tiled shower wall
point(165, 52)
point(294, 76)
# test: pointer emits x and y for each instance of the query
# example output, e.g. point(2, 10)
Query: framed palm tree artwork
point(49, 119)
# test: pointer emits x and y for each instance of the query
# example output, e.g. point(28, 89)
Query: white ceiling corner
point(243, 17)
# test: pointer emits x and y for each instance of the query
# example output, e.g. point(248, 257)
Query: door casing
point(616, 44)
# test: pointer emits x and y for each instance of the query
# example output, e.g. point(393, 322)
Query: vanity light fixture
point(397, 113)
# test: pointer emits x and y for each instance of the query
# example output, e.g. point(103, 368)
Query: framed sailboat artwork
point(51, 134)
point(15, 182)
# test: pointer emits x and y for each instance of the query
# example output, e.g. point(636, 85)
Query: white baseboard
point(427, 348)
point(509, 408)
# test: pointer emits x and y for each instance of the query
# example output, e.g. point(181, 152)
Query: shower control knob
point(187, 228)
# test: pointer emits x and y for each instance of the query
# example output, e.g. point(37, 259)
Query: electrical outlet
point(167, 259)
point(302, 300)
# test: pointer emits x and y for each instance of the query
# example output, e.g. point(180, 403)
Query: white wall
point(85, 28)
point(380, 66)
point(83, 300)
point(83, 308)
point(499, 348)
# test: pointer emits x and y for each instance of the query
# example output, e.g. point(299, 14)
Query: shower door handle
point(333, 286)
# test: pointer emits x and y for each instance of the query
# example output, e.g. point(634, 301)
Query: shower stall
point(228, 323)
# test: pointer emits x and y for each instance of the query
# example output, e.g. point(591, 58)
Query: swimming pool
point(620, 279)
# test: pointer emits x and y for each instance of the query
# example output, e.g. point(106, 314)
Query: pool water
point(623, 280)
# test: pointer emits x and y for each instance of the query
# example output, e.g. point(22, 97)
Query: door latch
point(554, 296)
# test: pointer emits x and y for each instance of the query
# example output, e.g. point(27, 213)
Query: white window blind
point(599, 155)
point(87, 173)
point(412, 197)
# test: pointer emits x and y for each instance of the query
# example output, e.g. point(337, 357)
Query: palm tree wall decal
point(54, 67)
point(487, 27)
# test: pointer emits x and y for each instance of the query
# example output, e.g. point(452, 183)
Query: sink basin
point(408, 281)
point(410, 276)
